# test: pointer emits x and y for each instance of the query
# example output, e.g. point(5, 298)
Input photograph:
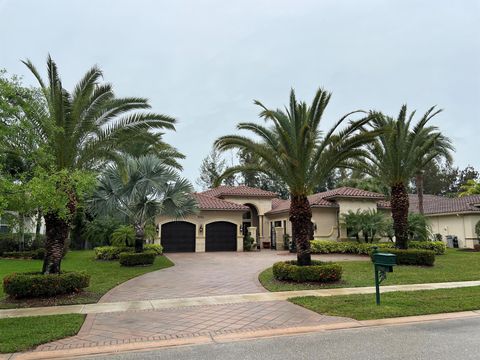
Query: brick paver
point(194, 275)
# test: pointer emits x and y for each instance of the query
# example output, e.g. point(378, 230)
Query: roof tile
point(240, 190)
point(212, 203)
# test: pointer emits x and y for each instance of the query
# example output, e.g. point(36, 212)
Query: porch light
point(200, 229)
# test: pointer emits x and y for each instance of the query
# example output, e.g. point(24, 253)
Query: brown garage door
point(221, 236)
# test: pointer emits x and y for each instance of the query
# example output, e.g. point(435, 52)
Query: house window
point(278, 224)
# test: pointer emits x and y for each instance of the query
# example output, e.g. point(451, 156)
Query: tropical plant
point(297, 152)
point(365, 223)
point(394, 159)
point(124, 235)
point(98, 232)
point(144, 188)
point(81, 130)
point(418, 228)
point(471, 187)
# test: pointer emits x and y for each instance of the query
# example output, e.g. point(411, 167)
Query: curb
point(226, 338)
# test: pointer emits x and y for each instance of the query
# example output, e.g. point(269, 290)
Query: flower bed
point(35, 285)
point(319, 271)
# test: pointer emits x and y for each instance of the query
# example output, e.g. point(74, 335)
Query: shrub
point(413, 257)
point(438, 247)
point(124, 235)
point(317, 272)
point(38, 254)
point(135, 259)
point(156, 248)
point(33, 285)
point(247, 243)
point(110, 252)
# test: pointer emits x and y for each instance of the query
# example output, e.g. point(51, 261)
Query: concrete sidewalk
point(124, 306)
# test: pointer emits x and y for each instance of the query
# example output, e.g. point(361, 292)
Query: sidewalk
point(125, 306)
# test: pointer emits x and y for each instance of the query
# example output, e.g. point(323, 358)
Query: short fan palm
point(141, 189)
point(295, 150)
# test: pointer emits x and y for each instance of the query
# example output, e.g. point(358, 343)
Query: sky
point(204, 62)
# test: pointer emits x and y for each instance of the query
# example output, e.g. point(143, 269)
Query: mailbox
point(383, 263)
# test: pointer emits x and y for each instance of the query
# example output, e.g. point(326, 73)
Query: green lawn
point(455, 265)
point(20, 334)
point(395, 304)
point(104, 276)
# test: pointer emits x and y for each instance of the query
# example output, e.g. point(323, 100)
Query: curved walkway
point(194, 275)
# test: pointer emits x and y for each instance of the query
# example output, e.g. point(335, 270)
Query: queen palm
point(396, 156)
point(295, 150)
point(80, 130)
point(141, 189)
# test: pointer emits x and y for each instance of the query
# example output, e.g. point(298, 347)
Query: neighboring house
point(227, 213)
point(451, 217)
point(29, 226)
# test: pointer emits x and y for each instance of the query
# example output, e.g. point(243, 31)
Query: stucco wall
point(461, 225)
point(346, 205)
point(203, 218)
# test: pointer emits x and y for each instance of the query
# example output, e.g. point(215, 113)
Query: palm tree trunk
point(400, 204)
point(56, 235)
point(139, 237)
point(419, 185)
point(301, 219)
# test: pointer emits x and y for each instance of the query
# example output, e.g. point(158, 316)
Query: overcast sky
point(205, 61)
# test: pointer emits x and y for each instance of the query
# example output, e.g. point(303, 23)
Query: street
point(439, 340)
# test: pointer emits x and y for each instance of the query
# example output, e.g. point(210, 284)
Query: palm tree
point(440, 148)
point(80, 130)
point(294, 150)
point(144, 188)
point(396, 156)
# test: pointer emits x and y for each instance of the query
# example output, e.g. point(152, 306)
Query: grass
point(394, 304)
point(105, 275)
point(19, 334)
point(455, 265)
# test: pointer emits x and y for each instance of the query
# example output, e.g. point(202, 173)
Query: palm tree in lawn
point(295, 150)
point(81, 130)
point(440, 148)
point(141, 189)
point(396, 156)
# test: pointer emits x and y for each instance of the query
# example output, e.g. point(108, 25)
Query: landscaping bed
point(394, 304)
point(318, 271)
point(455, 265)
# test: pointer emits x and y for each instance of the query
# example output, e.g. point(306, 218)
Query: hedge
point(38, 254)
point(113, 252)
point(413, 257)
point(34, 284)
point(349, 247)
point(319, 271)
point(135, 259)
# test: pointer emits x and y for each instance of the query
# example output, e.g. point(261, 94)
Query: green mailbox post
point(383, 263)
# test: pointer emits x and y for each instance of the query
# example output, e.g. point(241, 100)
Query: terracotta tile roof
point(433, 204)
point(239, 191)
point(326, 199)
point(212, 203)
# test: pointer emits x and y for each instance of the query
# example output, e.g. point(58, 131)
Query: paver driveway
point(195, 274)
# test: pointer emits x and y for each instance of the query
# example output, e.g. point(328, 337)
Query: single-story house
point(227, 213)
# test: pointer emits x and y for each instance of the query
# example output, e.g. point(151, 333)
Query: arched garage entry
point(221, 236)
point(178, 236)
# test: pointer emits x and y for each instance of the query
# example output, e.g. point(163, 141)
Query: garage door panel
point(221, 236)
point(178, 236)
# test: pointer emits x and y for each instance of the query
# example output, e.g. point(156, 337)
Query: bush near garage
point(113, 252)
point(319, 271)
point(349, 247)
point(137, 259)
point(38, 254)
point(413, 257)
point(36, 285)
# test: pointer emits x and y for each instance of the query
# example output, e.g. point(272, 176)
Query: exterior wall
point(326, 222)
point(460, 225)
point(201, 220)
point(263, 205)
point(345, 205)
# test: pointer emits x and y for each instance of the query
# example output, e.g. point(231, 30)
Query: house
point(451, 217)
point(227, 213)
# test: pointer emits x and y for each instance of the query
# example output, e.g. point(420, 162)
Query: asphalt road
point(441, 340)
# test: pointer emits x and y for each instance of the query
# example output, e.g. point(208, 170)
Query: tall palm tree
point(396, 156)
point(81, 130)
point(440, 149)
point(144, 188)
point(295, 150)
